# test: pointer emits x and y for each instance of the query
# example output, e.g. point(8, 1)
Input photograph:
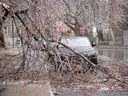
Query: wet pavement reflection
point(118, 54)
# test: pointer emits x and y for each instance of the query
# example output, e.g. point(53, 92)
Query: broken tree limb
point(94, 65)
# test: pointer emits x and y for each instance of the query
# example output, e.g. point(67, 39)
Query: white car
point(81, 45)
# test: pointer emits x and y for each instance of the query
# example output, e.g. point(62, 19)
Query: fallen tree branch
point(86, 59)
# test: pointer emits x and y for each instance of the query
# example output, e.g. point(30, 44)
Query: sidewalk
point(112, 47)
point(26, 90)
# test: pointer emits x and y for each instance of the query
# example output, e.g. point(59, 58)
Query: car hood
point(82, 50)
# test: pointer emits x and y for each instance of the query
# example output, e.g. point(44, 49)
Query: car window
point(74, 42)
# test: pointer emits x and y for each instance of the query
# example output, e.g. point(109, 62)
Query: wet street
point(114, 53)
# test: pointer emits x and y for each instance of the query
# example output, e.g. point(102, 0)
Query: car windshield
point(75, 42)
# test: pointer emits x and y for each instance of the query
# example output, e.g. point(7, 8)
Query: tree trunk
point(118, 34)
point(118, 38)
point(75, 27)
point(2, 42)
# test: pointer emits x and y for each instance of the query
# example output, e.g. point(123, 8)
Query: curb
point(113, 47)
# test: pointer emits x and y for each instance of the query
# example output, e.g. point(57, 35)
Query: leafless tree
point(117, 16)
point(35, 24)
point(102, 14)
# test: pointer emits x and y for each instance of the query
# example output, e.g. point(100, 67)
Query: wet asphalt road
point(114, 53)
point(103, 93)
point(109, 93)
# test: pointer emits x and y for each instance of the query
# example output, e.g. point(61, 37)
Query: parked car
point(81, 45)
